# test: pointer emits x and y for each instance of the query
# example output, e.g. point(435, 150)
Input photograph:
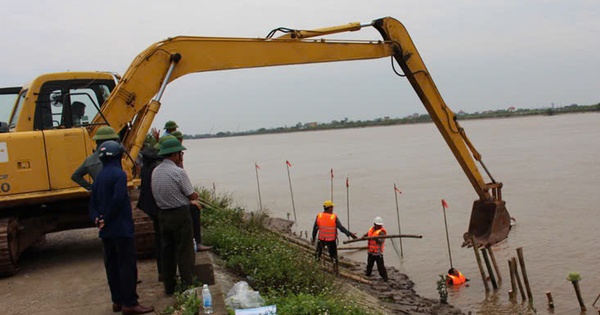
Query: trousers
point(120, 263)
point(371, 260)
point(177, 247)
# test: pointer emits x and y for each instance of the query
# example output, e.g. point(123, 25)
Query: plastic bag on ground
point(242, 296)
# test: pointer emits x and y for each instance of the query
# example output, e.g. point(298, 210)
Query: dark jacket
point(146, 200)
point(110, 201)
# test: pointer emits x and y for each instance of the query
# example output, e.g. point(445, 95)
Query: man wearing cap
point(110, 210)
point(170, 127)
point(375, 247)
point(177, 134)
point(174, 193)
point(327, 224)
point(92, 165)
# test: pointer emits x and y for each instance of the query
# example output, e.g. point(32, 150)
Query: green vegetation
point(411, 119)
point(284, 276)
point(441, 288)
point(574, 276)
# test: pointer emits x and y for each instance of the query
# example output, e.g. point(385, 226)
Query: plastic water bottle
point(195, 245)
point(207, 300)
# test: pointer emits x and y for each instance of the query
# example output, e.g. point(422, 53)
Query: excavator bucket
point(489, 224)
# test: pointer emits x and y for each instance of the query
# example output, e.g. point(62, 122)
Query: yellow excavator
point(45, 139)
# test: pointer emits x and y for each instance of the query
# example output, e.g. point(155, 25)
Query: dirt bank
point(396, 296)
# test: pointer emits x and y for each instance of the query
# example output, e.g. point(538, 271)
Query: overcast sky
point(487, 54)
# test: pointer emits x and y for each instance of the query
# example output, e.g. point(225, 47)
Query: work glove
point(353, 235)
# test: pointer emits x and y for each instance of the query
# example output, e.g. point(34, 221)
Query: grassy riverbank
point(290, 279)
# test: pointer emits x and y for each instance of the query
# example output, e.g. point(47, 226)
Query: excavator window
point(72, 103)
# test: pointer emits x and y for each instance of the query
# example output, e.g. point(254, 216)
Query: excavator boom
point(175, 57)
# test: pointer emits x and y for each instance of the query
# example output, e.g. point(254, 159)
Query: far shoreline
point(409, 120)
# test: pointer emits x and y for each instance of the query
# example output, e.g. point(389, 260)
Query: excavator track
point(144, 234)
point(8, 243)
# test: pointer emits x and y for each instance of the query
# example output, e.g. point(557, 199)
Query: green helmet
point(105, 133)
point(177, 134)
point(169, 146)
point(162, 139)
point(170, 125)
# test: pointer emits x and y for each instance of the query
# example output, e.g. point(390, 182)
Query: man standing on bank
point(174, 193)
point(375, 247)
point(327, 224)
point(110, 209)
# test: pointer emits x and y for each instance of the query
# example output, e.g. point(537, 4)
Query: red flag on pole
point(332, 173)
point(396, 189)
point(257, 167)
point(288, 163)
point(444, 204)
point(347, 184)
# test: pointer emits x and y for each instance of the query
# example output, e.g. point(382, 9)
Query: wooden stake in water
point(513, 281)
point(444, 206)
point(288, 165)
point(518, 278)
point(488, 265)
point(256, 168)
point(348, 202)
point(396, 191)
point(524, 272)
point(331, 184)
point(550, 299)
point(493, 258)
point(476, 250)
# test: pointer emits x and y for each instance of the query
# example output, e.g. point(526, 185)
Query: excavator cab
point(490, 221)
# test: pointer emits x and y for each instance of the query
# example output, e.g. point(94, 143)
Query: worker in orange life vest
point(327, 224)
point(376, 247)
point(454, 277)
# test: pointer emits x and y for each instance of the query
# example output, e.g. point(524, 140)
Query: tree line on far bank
point(411, 119)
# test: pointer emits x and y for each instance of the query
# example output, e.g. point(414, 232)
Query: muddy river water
point(548, 164)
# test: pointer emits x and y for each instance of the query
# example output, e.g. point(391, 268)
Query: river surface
point(548, 164)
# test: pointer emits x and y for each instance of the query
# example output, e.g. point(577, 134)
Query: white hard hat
point(378, 221)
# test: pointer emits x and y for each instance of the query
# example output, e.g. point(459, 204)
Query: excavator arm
point(136, 99)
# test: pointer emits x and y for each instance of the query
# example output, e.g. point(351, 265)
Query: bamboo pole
point(348, 202)
point(513, 282)
point(306, 246)
point(488, 265)
point(332, 185)
point(485, 284)
point(256, 168)
point(518, 278)
point(447, 237)
point(596, 300)
point(396, 190)
point(353, 248)
point(578, 293)
point(383, 236)
point(287, 165)
point(524, 271)
point(550, 300)
point(491, 252)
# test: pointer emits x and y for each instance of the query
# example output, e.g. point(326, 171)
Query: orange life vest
point(374, 247)
point(327, 226)
point(460, 279)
